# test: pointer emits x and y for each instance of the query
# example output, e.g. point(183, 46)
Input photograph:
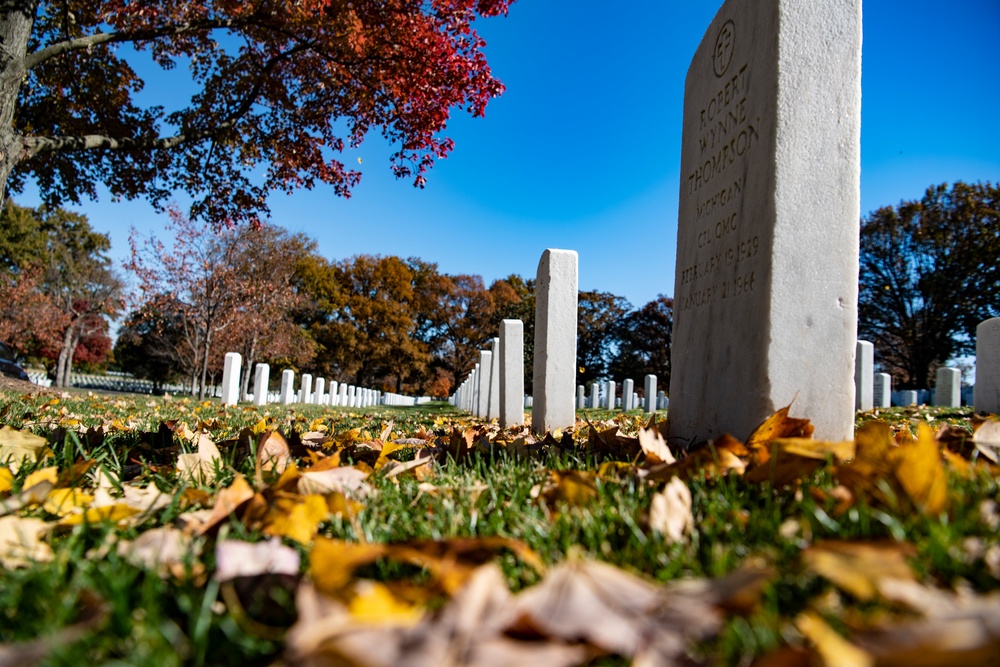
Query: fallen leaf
point(834, 650)
point(273, 452)
point(614, 611)
point(297, 517)
point(374, 604)
point(6, 481)
point(670, 511)
point(859, 567)
point(236, 558)
point(21, 543)
point(342, 479)
point(165, 550)
point(921, 473)
point(654, 446)
point(19, 446)
point(987, 440)
point(229, 500)
point(200, 467)
point(778, 425)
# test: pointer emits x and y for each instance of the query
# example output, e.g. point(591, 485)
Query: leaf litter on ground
point(284, 483)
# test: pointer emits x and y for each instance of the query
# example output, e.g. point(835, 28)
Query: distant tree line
point(930, 273)
point(388, 322)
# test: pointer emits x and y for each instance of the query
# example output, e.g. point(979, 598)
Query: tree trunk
point(62, 363)
point(248, 360)
point(16, 20)
point(206, 351)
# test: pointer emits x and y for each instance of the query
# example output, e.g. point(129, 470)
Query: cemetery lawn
point(148, 531)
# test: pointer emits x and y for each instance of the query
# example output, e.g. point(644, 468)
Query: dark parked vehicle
point(10, 363)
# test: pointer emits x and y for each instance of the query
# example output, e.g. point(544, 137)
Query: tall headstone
point(627, 388)
point(650, 394)
point(864, 370)
point(287, 386)
point(511, 373)
point(595, 395)
point(882, 390)
point(581, 397)
point(475, 391)
point(342, 395)
point(493, 405)
point(948, 389)
point(334, 393)
point(305, 389)
point(485, 366)
point(231, 378)
point(262, 375)
point(554, 376)
point(987, 394)
point(319, 396)
point(609, 399)
point(766, 283)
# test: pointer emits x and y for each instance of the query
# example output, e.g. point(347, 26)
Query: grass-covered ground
point(313, 535)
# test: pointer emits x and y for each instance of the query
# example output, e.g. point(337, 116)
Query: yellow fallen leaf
point(374, 603)
point(111, 513)
point(834, 650)
point(6, 480)
point(921, 473)
point(332, 562)
point(297, 517)
point(66, 501)
point(18, 446)
point(50, 474)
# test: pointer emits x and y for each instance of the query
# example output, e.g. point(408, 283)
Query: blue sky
point(583, 150)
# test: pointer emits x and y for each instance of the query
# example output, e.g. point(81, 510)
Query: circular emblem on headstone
point(724, 46)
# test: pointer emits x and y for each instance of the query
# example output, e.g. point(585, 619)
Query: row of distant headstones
point(494, 389)
point(338, 394)
point(874, 390)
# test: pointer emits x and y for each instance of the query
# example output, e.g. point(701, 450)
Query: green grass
point(154, 621)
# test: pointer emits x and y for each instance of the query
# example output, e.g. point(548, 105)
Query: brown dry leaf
point(614, 611)
point(713, 459)
point(21, 543)
point(860, 568)
point(834, 650)
point(200, 467)
point(965, 633)
point(921, 473)
point(655, 447)
point(273, 453)
point(18, 446)
point(228, 501)
point(670, 511)
point(778, 425)
point(452, 561)
point(296, 517)
point(791, 459)
point(573, 487)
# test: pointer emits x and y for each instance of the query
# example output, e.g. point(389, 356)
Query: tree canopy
point(930, 273)
point(283, 89)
